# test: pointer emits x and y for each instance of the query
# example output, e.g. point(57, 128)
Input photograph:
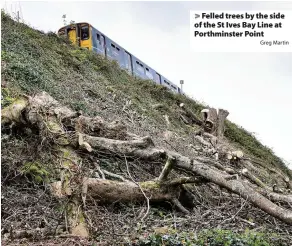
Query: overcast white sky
point(256, 88)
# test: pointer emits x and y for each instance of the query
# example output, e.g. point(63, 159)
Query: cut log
point(275, 197)
point(253, 178)
point(142, 148)
point(108, 191)
point(234, 155)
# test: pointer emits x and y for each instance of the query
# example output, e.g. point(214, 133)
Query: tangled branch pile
point(71, 135)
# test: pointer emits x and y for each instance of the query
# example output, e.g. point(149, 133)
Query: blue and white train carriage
point(85, 35)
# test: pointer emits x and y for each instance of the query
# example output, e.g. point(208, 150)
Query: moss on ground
point(36, 171)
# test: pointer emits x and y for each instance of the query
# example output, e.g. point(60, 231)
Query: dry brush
point(70, 133)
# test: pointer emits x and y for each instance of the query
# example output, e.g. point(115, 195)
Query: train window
point(115, 50)
point(84, 33)
point(98, 38)
point(61, 32)
point(118, 48)
point(140, 67)
point(139, 63)
point(149, 75)
point(166, 82)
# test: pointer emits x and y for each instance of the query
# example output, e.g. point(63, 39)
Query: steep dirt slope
point(32, 62)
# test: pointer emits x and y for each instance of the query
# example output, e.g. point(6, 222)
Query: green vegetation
point(36, 171)
point(6, 98)
point(33, 61)
point(251, 145)
point(214, 237)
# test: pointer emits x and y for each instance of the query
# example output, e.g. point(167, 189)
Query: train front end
point(79, 34)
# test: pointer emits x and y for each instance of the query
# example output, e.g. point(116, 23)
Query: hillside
point(33, 62)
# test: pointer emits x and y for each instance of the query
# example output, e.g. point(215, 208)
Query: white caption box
point(249, 32)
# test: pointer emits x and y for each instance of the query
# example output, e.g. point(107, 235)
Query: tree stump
point(213, 122)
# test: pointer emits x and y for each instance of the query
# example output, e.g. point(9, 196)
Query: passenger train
point(85, 35)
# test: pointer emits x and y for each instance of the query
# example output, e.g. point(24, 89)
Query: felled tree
point(92, 135)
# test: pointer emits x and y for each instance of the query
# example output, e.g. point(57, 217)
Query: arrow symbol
point(197, 16)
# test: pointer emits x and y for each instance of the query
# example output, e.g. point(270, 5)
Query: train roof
point(78, 23)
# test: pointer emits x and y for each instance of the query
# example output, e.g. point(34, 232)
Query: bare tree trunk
point(108, 191)
point(69, 161)
point(220, 128)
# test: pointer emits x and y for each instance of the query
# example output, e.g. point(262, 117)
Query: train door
point(129, 62)
point(104, 45)
point(72, 35)
point(101, 43)
point(157, 78)
point(85, 37)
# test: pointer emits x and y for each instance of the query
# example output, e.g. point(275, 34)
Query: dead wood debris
point(94, 135)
